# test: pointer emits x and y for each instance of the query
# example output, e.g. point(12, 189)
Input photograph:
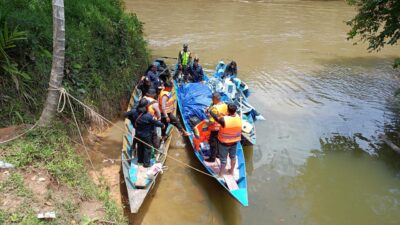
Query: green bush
point(105, 52)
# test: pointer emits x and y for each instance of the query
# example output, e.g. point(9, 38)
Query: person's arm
point(219, 120)
point(130, 113)
point(225, 74)
point(189, 70)
point(201, 74)
point(163, 105)
point(180, 57)
point(157, 110)
point(157, 123)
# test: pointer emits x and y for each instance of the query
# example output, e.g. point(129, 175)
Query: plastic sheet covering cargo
point(195, 98)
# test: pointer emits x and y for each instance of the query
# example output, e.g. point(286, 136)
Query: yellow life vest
point(221, 109)
point(232, 132)
point(170, 104)
point(150, 108)
point(185, 58)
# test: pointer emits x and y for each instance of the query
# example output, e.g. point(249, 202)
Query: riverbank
point(50, 175)
point(105, 53)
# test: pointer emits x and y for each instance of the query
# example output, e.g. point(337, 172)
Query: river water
point(318, 159)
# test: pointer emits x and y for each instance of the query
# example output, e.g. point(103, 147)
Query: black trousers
point(213, 144)
point(155, 139)
point(173, 120)
point(144, 151)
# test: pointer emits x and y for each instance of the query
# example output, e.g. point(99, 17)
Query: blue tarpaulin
point(195, 97)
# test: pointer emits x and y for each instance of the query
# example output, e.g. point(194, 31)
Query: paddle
point(167, 57)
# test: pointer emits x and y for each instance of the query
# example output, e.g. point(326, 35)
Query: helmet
point(185, 45)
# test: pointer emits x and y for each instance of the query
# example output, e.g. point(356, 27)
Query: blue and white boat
point(193, 99)
point(232, 89)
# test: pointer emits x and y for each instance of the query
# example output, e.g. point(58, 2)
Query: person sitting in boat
point(144, 124)
point(230, 133)
point(167, 107)
point(153, 74)
point(230, 70)
point(144, 85)
point(180, 75)
point(220, 109)
point(184, 57)
point(195, 71)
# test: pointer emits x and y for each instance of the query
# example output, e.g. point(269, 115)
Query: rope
point(62, 101)
point(77, 126)
point(19, 135)
point(65, 95)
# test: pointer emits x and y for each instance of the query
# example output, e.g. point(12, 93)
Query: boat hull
point(240, 194)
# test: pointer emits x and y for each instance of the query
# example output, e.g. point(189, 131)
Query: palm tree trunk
point(57, 68)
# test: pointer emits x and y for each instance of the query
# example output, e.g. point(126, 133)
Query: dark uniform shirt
point(229, 71)
point(154, 78)
point(143, 123)
point(196, 72)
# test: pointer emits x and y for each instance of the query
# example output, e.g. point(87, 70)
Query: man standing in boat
point(195, 71)
point(166, 102)
point(184, 57)
point(154, 110)
point(220, 109)
point(230, 133)
point(144, 124)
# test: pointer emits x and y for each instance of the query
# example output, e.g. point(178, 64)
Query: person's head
point(142, 106)
point(216, 97)
point(168, 85)
point(233, 65)
point(154, 67)
point(196, 61)
point(151, 92)
point(185, 47)
point(232, 108)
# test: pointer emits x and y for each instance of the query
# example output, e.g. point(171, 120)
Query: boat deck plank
point(215, 166)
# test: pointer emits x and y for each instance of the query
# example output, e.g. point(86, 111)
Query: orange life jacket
point(170, 104)
point(222, 110)
point(150, 108)
point(232, 132)
point(201, 134)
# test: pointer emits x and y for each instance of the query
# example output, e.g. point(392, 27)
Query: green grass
point(50, 149)
point(15, 182)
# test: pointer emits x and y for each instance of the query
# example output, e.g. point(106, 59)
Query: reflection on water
point(343, 185)
point(310, 84)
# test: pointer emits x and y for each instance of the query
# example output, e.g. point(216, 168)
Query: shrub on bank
point(105, 51)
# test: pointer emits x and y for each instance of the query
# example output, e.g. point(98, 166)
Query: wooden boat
point(195, 97)
point(138, 183)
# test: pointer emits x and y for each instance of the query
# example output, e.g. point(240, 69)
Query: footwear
point(210, 160)
point(146, 165)
point(185, 133)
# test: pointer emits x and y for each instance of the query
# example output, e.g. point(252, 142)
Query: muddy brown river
point(319, 159)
